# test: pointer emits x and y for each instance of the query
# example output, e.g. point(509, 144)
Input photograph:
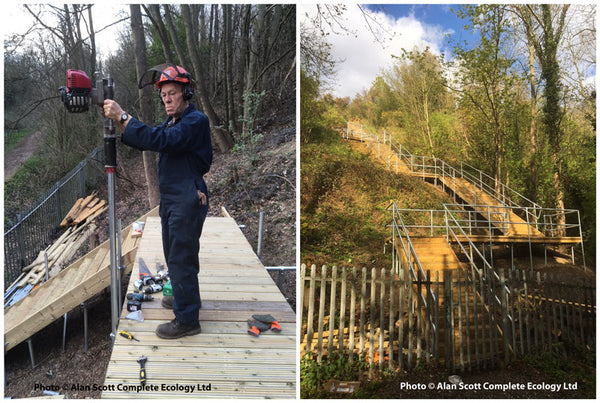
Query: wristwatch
point(124, 117)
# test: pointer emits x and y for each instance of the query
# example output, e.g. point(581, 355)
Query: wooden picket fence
point(464, 320)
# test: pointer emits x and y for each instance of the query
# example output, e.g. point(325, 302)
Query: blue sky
point(417, 26)
point(407, 26)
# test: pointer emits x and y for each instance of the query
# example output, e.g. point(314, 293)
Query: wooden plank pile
point(79, 224)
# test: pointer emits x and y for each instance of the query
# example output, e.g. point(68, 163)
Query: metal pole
point(64, 340)
point(31, 355)
point(119, 265)
point(85, 327)
point(110, 155)
point(260, 235)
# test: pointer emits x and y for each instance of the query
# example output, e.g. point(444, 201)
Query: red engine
point(77, 79)
point(76, 95)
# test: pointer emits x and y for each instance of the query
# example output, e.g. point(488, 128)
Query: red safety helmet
point(168, 73)
point(174, 73)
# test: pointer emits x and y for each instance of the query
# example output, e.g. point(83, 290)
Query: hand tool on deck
point(139, 297)
point(274, 325)
point(128, 335)
point(145, 274)
point(152, 288)
point(142, 362)
point(162, 274)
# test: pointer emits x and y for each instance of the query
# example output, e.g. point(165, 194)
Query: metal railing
point(414, 267)
point(476, 261)
point(479, 183)
point(438, 168)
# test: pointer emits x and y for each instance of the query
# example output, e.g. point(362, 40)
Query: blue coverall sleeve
point(180, 138)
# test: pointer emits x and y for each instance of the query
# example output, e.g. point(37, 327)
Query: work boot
point(167, 302)
point(175, 329)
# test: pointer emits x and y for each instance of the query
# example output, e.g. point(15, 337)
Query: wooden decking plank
point(233, 286)
point(214, 327)
point(173, 353)
point(223, 315)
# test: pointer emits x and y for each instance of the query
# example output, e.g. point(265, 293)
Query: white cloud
point(364, 57)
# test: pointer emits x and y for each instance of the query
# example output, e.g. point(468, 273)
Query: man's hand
point(112, 110)
point(202, 198)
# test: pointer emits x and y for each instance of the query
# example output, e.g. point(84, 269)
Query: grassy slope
point(344, 197)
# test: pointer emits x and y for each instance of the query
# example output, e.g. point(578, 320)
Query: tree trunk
point(174, 38)
point(244, 56)
point(533, 140)
point(222, 138)
point(227, 20)
point(250, 86)
point(141, 66)
point(153, 11)
point(92, 41)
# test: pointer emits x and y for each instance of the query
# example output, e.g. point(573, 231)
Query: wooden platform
point(434, 253)
point(223, 359)
point(513, 239)
point(74, 285)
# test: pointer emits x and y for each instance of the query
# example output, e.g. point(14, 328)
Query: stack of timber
point(79, 223)
point(77, 283)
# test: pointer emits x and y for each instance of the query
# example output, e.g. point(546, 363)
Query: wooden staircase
point(505, 219)
point(434, 253)
point(74, 285)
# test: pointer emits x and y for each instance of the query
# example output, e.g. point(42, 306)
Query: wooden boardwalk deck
point(223, 359)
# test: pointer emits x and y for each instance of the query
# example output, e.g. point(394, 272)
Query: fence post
point(332, 309)
point(504, 313)
point(311, 308)
point(352, 314)
point(419, 315)
point(428, 317)
point(363, 302)
point(460, 319)
point(580, 285)
point(343, 310)
point(475, 319)
point(528, 302)
point(372, 320)
point(302, 295)
point(391, 325)
point(448, 317)
point(382, 320)
point(411, 311)
point(436, 336)
point(401, 317)
point(321, 312)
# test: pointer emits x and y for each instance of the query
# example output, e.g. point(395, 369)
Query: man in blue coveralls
point(184, 146)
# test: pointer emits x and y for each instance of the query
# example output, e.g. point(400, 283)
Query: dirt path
point(21, 153)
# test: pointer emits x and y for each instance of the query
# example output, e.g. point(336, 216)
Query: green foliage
point(249, 139)
point(567, 362)
point(12, 138)
point(344, 198)
point(24, 186)
point(310, 108)
point(313, 375)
